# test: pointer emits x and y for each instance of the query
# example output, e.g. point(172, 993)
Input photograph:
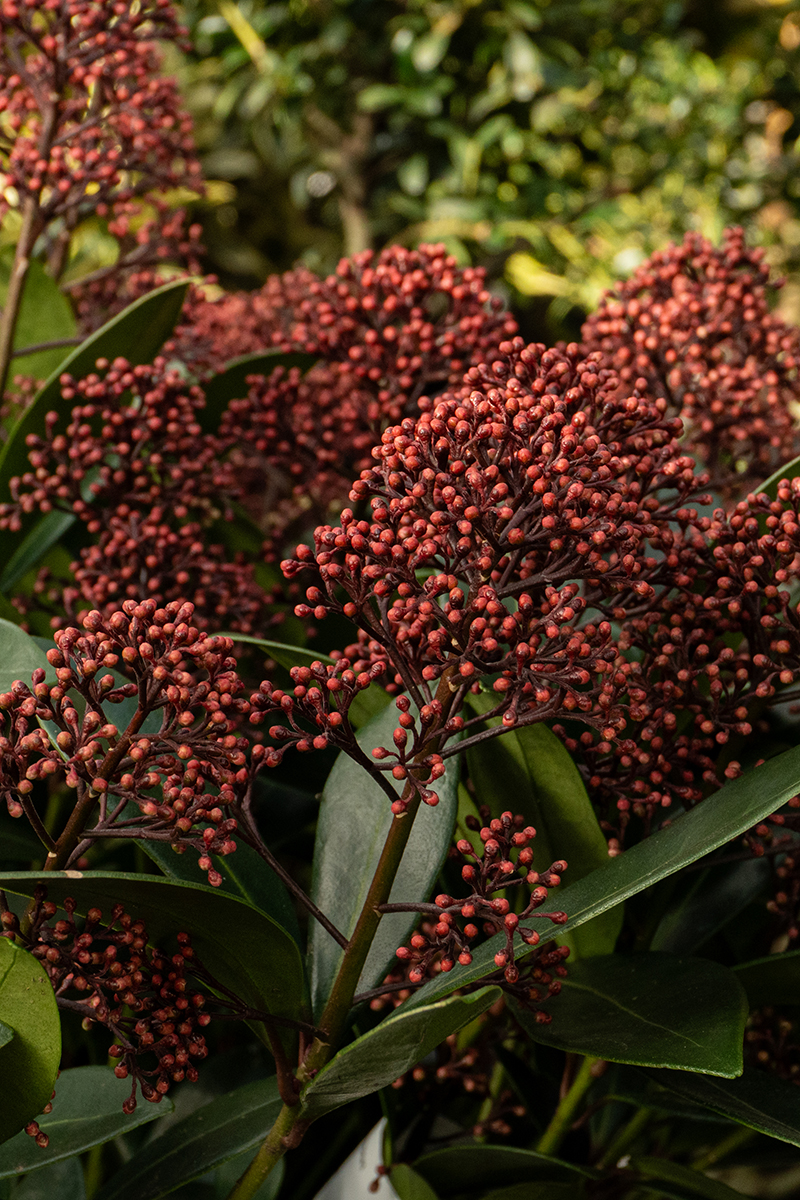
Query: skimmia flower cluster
point(141, 724)
point(694, 321)
point(386, 329)
point(91, 125)
point(495, 870)
point(109, 973)
point(135, 467)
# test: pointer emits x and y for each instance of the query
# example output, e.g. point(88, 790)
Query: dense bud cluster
point(108, 973)
point(509, 522)
point(142, 718)
point(694, 322)
point(387, 329)
point(135, 467)
point(506, 862)
point(92, 125)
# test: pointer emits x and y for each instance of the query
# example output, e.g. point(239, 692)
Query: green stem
point(287, 1132)
point(624, 1138)
point(739, 1137)
point(564, 1115)
point(16, 287)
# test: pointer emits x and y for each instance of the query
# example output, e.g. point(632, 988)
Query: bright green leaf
point(529, 771)
point(388, 1051)
point(467, 1168)
point(29, 1061)
point(45, 316)
point(20, 656)
point(653, 1010)
point(409, 1185)
point(735, 808)
point(682, 1183)
point(48, 530)
point(355, 818)
point(244, 948)
point(231, 382)
point(87, 1111)
point(208, 1137)
point(756, 1099)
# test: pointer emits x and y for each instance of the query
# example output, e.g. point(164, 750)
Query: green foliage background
point(558, 142)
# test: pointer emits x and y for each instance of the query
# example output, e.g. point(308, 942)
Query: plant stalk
point(16, 287)
point(564, 1115)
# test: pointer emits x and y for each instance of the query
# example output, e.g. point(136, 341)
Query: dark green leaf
point(31, 550)
point(409, 1185)
point(468, 1168)
point(20, 656)
point(209, 1136)
point(241, 946)
point(770, 485)
point(734, 808)
point(6, 1034)
point(682, 1183)
point(45, 316)
point(529, 771)
point(18, 842)
point(63, 1180)
point(229, 1173)
point(87, 1111)
point(715, 897)
point(653, 1010)
point(29, 1062)
point(354, 821)
point(244, 875)
point(771, 980)
point(231, 382)
point(388, 1051)
point(756, 1099)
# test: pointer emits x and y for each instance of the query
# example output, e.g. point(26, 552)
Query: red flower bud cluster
point(135, 467)
point(90, 120)
point(694, 322)
point(387, 328)
point(107, 972)
point(143, 718)
point(501, 517)
point(506, 862)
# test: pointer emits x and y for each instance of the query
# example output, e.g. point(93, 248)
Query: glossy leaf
point(756, 1099)
point(467, 1168)
point(231, 382)
point(45, 316)
point(189, 1148)
point(283, 653)
point(63, 1180)
point(790, 470)
point(736, 807)
point(228, 1174)
point(529, 771)
point(29, 1061)
point(48, 530)
point(409, 1185)
point(355, 818)
point(244, 948)
point(20, 656)
point(87, 1111)
point(682, 1183)
point(653, 1010)
point(395, 1046)
point(715, 897)
point(771, 980)
point(244, 875)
